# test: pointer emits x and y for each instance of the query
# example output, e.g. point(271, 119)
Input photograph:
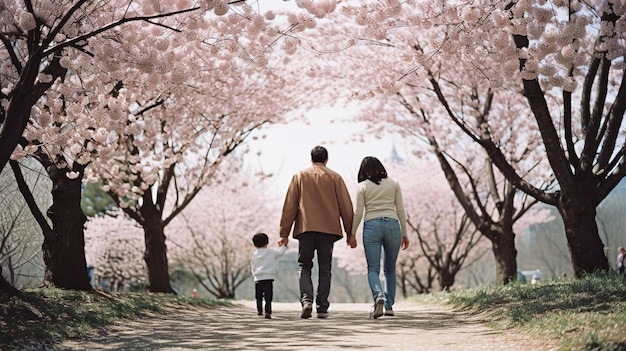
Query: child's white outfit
point(263, 266)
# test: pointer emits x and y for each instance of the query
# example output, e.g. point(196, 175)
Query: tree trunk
point(6, 287)
point(155, 255)
point(585, 246)
point(17, 116)
point(64, 250)
point(505, 253)
point(11, 271)
point(446, 280)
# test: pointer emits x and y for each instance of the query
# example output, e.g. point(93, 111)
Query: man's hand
point(351, 241)
point(283, 241)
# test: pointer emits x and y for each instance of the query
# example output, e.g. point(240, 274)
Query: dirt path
point(415, 327)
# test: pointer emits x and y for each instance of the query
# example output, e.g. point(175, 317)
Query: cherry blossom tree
point(560, 57)
point(114, 248)
point(374, 64)
point(442, 234)
point(43, 42)
point(489, 201)
point(181, 129)
point(546, 55)
point(568, 52)
point(212, 237)
point(445, 235)
point(84, 92)
point(38, 42)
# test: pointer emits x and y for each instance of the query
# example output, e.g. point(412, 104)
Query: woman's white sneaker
point(378, 307)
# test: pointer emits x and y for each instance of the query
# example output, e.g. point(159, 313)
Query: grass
point(581, 314)
point(46, 316)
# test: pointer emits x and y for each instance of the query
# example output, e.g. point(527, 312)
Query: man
point(316, 205)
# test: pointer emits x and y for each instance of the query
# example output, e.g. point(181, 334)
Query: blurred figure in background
point(536, 278)
point(621, 254)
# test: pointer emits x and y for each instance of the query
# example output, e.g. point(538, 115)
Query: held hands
point(283, 241)
point(405, 243)
point(351, 241)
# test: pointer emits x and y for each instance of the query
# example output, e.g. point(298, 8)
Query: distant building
point(395, 157)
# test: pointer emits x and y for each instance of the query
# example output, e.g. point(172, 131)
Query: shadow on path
point(415, 327)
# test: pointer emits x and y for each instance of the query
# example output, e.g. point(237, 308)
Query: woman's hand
point(351, 241)
point(405, 243)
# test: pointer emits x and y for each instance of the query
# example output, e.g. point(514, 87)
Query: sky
point(286, 148)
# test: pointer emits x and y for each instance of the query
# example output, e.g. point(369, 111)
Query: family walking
point(317, 211)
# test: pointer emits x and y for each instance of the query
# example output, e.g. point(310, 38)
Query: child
point(263, 266)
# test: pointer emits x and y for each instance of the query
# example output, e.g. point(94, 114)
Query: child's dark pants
point(264, 289)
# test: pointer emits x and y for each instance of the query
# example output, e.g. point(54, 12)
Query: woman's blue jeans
point(382, 233)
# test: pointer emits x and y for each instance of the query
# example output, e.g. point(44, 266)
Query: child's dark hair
point(260, 239)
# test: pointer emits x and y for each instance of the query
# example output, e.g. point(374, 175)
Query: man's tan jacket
point(317, 201)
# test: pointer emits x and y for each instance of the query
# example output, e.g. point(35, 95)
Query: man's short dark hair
point(260, 239)
point(319, 154)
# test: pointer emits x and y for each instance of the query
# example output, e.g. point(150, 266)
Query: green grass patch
point(583, 314)
point(46, 316)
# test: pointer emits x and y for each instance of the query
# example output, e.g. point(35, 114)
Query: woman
point(384, 226)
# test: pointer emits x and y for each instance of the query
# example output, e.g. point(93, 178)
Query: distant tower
point(395, 157)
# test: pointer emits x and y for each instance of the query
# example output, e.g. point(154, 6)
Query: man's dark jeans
point(309, 244)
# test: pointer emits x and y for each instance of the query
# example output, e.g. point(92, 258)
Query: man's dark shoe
point(307, 309)
point(268, 316)
point(322, 314)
